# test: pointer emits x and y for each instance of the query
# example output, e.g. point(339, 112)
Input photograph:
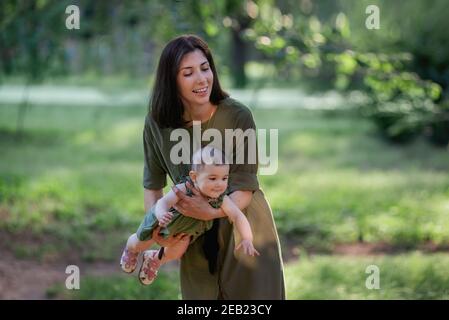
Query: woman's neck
point(198, 113)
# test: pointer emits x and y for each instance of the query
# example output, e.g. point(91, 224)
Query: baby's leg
point(151, 262)
point(135, 245)
point(177, 251)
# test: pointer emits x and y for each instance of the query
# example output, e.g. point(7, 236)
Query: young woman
point(187, 89)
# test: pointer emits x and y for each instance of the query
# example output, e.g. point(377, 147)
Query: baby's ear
point(192, 175)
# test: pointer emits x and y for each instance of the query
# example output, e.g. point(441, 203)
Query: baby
point(209, 174)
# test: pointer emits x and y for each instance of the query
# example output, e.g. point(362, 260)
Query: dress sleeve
point(244, 176)
point(154, 175)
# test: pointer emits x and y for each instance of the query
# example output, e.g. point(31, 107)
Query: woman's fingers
point(192, 188)
point(179, 193)
point(180, 236)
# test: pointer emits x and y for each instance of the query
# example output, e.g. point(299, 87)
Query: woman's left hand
point(195, 206)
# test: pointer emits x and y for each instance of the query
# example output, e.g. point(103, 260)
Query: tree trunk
point(239, 58)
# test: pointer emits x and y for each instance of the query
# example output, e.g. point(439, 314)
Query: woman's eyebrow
point(192, 67)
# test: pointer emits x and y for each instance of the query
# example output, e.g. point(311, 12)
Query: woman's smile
point(201, 92)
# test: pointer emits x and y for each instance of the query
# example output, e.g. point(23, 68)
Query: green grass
point(166, 287)
point(339, 182)
point(410, 276)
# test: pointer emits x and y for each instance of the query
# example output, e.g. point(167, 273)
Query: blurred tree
point(29, 42)
point(418, 28)
point(397, 73)
point(207, 17)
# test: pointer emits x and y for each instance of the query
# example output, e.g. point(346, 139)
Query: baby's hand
point(248, 248)
point(165, 218)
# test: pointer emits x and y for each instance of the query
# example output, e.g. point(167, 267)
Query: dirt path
point(28, 279)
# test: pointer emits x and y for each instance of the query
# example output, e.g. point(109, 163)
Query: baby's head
point(210, 171)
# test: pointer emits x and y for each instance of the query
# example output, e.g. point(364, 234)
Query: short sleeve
point(244, 176)
point(154, 175)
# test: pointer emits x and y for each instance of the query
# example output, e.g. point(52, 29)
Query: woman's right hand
point(195, 206)
point(167, 242)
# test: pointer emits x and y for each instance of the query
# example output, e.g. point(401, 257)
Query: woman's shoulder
point(152, 130)
point(234, 107)
point(149, 122)
point(152, 126)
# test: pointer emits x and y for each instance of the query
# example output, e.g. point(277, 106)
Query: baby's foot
point(150, 266)
point(128, 261)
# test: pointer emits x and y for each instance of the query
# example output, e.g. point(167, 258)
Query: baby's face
point(212, 180)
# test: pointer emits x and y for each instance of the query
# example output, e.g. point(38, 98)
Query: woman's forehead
point(192, 59)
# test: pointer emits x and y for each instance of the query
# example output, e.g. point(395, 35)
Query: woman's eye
point(205, 69)
point(187, 75)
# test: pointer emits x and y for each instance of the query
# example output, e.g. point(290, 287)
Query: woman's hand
point(195, 206)
point(170, 241)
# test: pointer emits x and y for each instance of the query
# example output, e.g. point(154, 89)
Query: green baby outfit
point(179, 223)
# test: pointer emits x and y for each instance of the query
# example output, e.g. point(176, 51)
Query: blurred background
point(362, 114)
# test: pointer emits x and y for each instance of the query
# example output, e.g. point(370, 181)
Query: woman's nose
point(201, 78)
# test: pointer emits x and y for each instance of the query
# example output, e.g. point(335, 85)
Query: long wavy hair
point(166, 106)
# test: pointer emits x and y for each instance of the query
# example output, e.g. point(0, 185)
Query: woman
point(187, 89)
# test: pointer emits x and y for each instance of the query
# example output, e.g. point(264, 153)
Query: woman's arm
point(150, 197)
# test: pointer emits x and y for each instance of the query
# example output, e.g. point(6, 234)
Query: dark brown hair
point(165, 105)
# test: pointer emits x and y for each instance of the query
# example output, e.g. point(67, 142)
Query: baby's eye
point(225, 178)
point(212, 179)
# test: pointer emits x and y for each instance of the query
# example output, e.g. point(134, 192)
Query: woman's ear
point(192, 175)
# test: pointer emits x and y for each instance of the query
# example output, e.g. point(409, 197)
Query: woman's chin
point(201, 100)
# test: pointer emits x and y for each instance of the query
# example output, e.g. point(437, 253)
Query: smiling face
point(195, 79)
point(211, 180)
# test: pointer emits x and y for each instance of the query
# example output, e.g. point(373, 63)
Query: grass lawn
point(72, 184)
point(407, 276)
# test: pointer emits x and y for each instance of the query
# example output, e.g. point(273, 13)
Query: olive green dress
point(238, 276)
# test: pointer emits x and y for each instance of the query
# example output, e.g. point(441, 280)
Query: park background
point(362, 114)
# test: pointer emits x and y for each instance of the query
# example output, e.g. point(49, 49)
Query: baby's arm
point(238, 218)
point(164, 204)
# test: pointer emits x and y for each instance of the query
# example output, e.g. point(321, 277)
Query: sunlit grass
point(407, 276)
point(410, 276)
point(166, 287)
